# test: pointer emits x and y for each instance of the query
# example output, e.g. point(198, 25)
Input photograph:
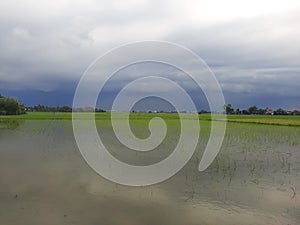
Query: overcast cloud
point(252, 46)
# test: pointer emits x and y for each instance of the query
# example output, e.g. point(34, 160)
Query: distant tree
point(2, 105)
point(261, 111)
point(238, 111)
point(280, 111)
point(203, 111)
point(296, 112)
point(253, 109)
point(65, 109)
point(245, 112)
point(11, 106)
point(228, 109)
point(99, 110)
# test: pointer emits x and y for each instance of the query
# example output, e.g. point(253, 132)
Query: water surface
point(45, 180)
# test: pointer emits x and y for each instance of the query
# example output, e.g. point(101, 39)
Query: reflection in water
point(10, 123)
point(254, 180)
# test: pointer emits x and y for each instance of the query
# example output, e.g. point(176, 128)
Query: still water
point(44, 179)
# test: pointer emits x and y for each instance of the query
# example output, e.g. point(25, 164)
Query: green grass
point(39, 115)
point(257, 119)
point(98, 116)
point(265, 119)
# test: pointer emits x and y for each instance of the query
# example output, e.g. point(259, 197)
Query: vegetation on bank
point(257, 119)
point(11, 106)
point(254, 110)
point(44, 108)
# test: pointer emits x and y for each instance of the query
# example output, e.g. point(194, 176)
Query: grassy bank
point(265, 119)
point(258, 119)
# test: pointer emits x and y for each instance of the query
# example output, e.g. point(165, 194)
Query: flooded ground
point(44, 179)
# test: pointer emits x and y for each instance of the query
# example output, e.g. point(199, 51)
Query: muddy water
point(44, 180)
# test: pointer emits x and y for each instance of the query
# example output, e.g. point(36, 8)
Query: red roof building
point(269, 112)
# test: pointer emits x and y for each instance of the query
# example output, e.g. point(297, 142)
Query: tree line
point(11, 106)
point(43, 108)
point(254, 110)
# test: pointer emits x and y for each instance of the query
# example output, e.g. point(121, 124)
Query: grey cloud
point(279, 81)
point(260, 42)
point(43, 44)
point(257, 57)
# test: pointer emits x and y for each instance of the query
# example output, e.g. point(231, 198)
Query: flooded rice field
point(255, 178)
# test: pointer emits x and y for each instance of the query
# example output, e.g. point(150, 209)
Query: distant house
point(28, 109)
point(296, 112)
point(289, 112)
point(269, 112)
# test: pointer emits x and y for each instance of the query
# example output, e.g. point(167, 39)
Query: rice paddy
point(259, 119)
point(253, 180)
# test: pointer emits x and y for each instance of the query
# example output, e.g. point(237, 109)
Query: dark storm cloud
point(255, 60)
point(253, 49)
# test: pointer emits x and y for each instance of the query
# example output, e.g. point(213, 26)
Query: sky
point(252, 47)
